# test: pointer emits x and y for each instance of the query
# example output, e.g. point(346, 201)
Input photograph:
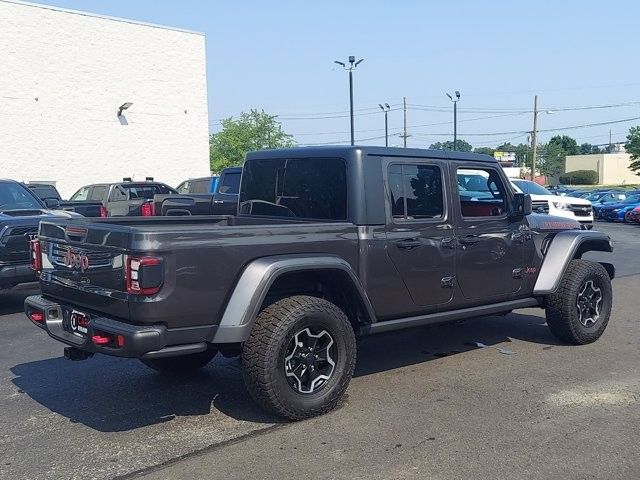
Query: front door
point(420, 237)
point(490, 252)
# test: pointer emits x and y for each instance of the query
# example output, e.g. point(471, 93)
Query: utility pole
point(385, 108)
point(610, 142)
point(404, 112)
point(352, 65)
point(534, 138)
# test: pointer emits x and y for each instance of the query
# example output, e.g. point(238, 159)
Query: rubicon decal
point(76, 260)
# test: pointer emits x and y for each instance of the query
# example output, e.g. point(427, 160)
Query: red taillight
point(36, 255)
point(103, 211)
point(144, 275)
point(37, 317)
point(148, 209)
point(105, 339)
point(101, 339)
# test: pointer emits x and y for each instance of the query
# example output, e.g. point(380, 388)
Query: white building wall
point(63, 76)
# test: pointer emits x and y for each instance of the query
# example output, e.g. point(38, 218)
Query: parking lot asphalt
point(425, 403)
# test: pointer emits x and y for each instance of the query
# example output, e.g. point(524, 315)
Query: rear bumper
point(148, 341)
point(11, 275)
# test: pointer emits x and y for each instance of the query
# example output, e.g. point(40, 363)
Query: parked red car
point(634, 215)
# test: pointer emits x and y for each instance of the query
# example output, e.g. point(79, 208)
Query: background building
point(64, 76)
point(612, 168)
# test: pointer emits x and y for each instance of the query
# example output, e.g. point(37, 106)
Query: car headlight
point(615, 210)
point(561, 206)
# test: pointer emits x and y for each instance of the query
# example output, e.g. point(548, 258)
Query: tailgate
point(83, 264)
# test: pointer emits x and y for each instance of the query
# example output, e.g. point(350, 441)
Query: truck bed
point(201, 258)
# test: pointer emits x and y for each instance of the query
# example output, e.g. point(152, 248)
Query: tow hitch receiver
point(75, 354)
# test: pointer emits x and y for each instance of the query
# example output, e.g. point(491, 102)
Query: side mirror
point(521, 206)
point(52, 203)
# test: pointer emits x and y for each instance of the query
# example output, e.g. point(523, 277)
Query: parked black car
point(51, 197)
point(20, 213)
point(329, 243)
point(217, 195)
point(126, 198)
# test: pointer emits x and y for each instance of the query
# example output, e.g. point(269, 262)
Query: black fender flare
point(566, 246)
point(257, 278)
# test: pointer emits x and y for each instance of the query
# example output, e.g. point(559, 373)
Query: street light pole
point(385, 108)
point(352, 65)
point(534, 139)
point(455, 118)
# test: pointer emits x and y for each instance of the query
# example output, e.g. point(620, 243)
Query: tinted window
point(200, 186)
point(163, 189)
point(416, 191)
point(81, 194)
point(481, 192)
point(98, 193)
point(45, 191)
point(314, 188)
point(138, 192)
point(230, 183)
point(531, 187)
point(16, 197)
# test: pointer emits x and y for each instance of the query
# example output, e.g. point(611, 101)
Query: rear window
point(146, 192)
point(44, 191)
point(98, 193)
point(310, 188)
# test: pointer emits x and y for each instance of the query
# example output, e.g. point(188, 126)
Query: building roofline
point(104, 17)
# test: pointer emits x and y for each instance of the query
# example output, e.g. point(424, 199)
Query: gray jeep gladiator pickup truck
point(328, 244)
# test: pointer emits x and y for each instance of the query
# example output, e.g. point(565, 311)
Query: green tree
point(254, 130)
point(588, 149)
point(506, 147)
point(566, 143)
point(633, 147)
point(551, 161)
point(463, 146)
point(485, 150)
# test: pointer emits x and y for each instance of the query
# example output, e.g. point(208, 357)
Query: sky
point(279, 56)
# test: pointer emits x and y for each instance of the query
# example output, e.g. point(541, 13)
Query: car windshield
point(531, 188)
point(14, 196)
point(632, 199)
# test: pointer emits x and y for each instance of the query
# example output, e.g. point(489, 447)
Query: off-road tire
point(561, 310)
point(181, 364)
point(263, 355)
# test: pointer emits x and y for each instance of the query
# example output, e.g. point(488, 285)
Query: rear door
point(420, 236)
point(225, 200)
point(490, 253)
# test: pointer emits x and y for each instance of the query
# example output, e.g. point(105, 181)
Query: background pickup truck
point(20, 213)
point(217, 195)
point(126, 198)
point(339, 242)
point(52, 199)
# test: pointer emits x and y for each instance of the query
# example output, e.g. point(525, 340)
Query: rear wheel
point(300, 357)
point(182, 363)
point(578, 312)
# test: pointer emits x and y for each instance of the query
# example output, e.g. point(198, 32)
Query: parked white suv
point(543, 201)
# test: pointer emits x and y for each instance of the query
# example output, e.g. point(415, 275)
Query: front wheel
point(181, 364)
point(300, 357)
point(579, 311)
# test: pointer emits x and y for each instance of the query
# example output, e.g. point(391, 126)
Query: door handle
point(469, 240)
point(408, 243)
point(218, 201)
point(449, 242)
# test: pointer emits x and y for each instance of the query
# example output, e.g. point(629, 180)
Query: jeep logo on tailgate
point(76, 260)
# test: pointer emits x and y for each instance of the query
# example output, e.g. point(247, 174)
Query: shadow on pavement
point(408, 347)
point(112, 394)
point(12, 301)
